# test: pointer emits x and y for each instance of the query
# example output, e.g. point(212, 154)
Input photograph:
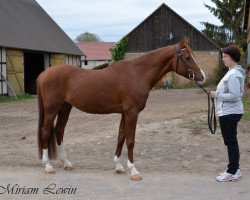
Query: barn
point(165, 27)
point(30, 41)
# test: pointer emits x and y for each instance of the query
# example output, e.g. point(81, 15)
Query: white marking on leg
point(62, 156)
point(48, 165)
point(133, 170)
point(118, 166)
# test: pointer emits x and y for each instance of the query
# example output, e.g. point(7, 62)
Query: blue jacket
point(229, 92)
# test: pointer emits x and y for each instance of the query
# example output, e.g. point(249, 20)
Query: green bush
point(246, 103)
point(118, 51)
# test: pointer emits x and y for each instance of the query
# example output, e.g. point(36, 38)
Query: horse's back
point(54, 70)
point(57, 74)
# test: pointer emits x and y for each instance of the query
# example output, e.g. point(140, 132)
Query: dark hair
point(233, 51)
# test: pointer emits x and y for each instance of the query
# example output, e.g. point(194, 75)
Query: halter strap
point(190, 73)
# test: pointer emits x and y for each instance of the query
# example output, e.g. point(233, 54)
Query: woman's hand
point(212, 94)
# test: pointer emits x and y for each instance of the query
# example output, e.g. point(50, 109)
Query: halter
point(211, 117)
point(188, 69)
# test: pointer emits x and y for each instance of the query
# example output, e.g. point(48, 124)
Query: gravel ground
point(175, 152)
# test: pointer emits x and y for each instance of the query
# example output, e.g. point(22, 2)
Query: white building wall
point(92, 63)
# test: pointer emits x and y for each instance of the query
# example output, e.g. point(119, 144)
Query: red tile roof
point(96, 50)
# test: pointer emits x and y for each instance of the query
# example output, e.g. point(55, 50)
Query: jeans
point(228, 125)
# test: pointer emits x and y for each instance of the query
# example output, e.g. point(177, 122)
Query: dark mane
point(102, 66)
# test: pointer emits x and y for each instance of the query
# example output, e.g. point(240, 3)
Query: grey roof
point(195, 35)
point(25, 25)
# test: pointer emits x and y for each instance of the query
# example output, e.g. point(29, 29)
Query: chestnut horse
point(123, 87)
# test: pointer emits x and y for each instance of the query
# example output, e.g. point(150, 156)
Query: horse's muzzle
point(201, 79)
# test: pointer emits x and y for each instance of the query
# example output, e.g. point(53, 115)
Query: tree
point(87, 37)
point(231, 15)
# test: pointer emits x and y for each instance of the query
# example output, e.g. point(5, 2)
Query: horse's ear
point(184, 41)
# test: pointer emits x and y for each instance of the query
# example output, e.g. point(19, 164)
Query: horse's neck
point(154, 65)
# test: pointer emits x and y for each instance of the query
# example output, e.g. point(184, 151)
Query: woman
point(229, 109)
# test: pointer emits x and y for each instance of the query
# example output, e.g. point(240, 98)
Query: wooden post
point(8, 85)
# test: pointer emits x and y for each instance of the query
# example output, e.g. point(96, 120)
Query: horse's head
point(186, 64)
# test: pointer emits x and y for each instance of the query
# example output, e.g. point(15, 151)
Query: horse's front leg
point(119, 169)
point(130, 128)
point(66, 164)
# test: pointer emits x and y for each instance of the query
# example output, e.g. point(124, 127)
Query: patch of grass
point(21, 98)
point(195, 124)
point(246, 103)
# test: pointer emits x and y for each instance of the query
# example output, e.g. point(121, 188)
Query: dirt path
point(174, 151)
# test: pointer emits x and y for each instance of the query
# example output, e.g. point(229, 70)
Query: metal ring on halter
point(191, 76)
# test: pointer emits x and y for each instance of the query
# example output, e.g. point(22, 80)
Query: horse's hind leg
point(47, 130)
point(62, 119)
point(120, 141)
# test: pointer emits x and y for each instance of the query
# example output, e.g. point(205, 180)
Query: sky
point(113, 19)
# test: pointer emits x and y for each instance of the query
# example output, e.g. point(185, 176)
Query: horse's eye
point(188, 58)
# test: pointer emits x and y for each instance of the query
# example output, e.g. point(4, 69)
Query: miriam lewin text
point(16, 189)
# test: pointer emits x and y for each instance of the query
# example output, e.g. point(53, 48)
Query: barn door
point(33, 66)
point(3, 72)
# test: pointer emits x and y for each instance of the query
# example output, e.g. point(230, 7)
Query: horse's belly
point(95, 109)
point(97, 106)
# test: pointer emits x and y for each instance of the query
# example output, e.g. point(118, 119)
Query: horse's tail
point(52, 141)
point(40, 119)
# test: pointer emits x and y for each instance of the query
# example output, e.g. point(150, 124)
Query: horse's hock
point(208, 60)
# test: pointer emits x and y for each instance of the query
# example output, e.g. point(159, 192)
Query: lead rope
point(211, 117)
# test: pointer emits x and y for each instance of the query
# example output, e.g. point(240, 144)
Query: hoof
point(137, 177)
point(50, 171)
point(120, 171)
point(68, 168)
